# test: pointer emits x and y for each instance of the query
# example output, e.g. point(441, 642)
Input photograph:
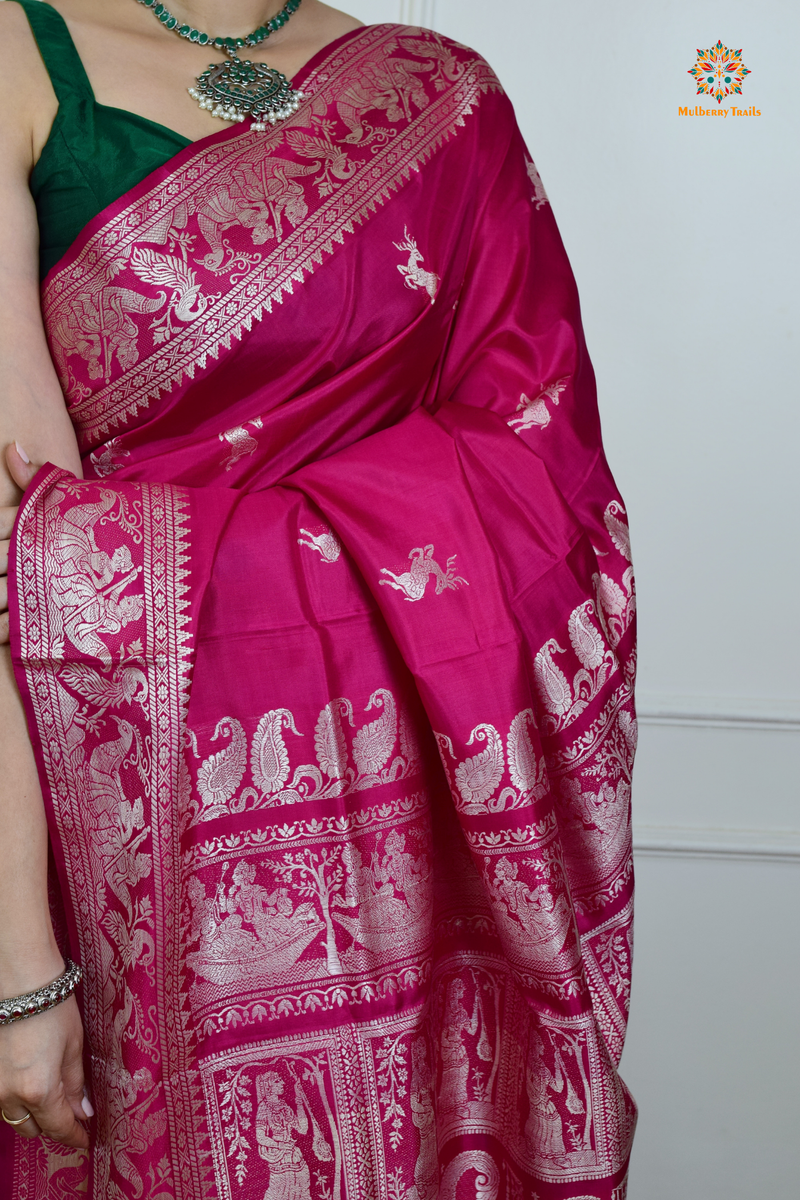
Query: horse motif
point(414, 581)
point(416, 278)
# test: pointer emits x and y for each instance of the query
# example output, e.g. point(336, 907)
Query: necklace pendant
point(236, 89)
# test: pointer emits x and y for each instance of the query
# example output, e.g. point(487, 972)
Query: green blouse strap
point(66, 71)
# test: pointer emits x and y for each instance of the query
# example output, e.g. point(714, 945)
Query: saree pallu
point(328, 665)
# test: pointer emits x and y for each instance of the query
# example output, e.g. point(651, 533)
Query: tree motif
point(319, 877)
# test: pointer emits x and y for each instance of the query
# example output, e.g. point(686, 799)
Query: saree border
point(162, 556)
point(294, 258)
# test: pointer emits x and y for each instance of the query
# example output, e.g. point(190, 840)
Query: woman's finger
point(3, 594)
point(4, 556)
point(4, 634)
point(56, 1120)
point(73, 1080)
point(20, 467)
point(28, 1128)
point(41, 1073)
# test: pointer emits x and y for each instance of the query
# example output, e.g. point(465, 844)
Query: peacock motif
point(269, 758)
point(105, 765)
point(410, 747)
point(478, 778)
point(125, 685)
point(527, 771)
point(551, 682)
point(374, 743)
point(616, 604)
point(587, 641)
point(618, 530)
point(167, 271)
point(329, 740)
point(222, 772)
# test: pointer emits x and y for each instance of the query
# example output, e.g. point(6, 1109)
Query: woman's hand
point(22, 471)
point(41, 1073)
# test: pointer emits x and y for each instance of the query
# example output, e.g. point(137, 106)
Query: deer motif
point(536, 412)
point(414, 581)
point(416, 278)
point(326, 543)
point(240, 441)
point(104, 459)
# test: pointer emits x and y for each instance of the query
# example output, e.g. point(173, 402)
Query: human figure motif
point(426, 1169)
point(405, 873)
point(544, 1127)
point(270, 913)
point(218, 924)
point(392, 895)
point(276, 1124)
point(82, 580)
point(453, 1088)
point(544, 916)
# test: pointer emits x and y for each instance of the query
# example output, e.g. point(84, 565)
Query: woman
point(322, 595)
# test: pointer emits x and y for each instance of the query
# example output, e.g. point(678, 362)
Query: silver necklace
point(237, 88)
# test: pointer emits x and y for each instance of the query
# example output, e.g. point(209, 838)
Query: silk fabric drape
point(328, 665)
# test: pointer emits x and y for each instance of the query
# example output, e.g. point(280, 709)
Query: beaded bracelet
point(33, 1003)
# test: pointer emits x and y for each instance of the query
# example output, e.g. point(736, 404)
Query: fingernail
point(22, 453)
point(86, 1105)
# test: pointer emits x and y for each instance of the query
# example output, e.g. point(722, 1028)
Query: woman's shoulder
point(27, 101)
point(446, 63)
point(431, 64)
point(418, 39)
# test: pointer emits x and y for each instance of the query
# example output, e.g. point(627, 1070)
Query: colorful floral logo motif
point(719, 72)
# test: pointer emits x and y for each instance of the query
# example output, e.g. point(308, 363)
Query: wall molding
point(759, 845)
point(418, 12)
point(712, 712)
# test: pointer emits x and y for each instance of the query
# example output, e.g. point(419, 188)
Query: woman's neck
point(225, 18)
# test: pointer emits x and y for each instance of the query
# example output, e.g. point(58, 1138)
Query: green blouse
point(94, 153)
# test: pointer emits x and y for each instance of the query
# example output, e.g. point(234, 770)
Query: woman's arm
point(40, 1058)
point(32, 409)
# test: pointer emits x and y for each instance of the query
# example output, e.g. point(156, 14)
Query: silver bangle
point(33, 1003)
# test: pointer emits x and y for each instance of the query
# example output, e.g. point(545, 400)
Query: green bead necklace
point(236, 89)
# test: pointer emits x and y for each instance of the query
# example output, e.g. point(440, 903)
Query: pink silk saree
point(328, 665)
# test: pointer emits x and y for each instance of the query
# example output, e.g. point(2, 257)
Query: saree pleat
point(328, 666)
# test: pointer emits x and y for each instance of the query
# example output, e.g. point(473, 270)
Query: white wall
point(683, 233)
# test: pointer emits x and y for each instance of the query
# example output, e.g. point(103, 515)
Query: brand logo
point(719, 72)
